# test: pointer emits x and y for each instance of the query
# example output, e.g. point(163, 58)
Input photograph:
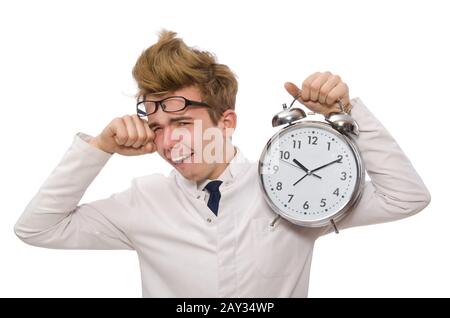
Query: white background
point(65, 66)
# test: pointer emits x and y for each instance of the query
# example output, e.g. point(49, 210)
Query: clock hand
point(305, 169)
point(300, 165)
point(300, 179)
point(326, 165)
point(295, 166)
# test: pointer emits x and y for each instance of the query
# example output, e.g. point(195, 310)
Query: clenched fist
point(320, 93)
point(127, 135)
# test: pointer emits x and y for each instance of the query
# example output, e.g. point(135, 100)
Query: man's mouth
point(181, 153)
point(182, 159)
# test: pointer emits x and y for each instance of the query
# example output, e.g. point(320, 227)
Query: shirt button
point(208, 220)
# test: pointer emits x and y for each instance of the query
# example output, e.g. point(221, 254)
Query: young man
point(204, 230)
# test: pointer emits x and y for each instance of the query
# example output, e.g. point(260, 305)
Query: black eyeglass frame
point(187, 102)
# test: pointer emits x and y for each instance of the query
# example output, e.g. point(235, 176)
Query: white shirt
point(226, 176)
point(184, 249)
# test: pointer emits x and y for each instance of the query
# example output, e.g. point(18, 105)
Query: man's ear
point(228, 120)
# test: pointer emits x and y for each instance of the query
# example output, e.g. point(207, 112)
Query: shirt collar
point(228, 176)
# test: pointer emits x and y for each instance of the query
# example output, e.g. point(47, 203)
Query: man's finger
point(326, 88)
point(131, 130)
point(119, 130)
point(336, 93)
point(317, 84)
point(292, 89)
point(346, 103)
point(141, 133)
point(306, 85)
point(150, 133)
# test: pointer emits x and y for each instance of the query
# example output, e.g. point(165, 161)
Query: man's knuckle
point(121, 138)
point(142, 138)
point(332, 97)
point(323, 90)
point(132, 136)
point(315, 87)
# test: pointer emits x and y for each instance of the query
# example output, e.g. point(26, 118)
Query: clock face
point(310, 173)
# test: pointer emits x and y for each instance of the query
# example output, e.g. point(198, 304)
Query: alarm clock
point(311, 171)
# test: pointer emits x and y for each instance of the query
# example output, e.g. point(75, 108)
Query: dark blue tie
point(214, 195)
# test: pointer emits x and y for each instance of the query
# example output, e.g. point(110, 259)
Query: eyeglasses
point(169, 105)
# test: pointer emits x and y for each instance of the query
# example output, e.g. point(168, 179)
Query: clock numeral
point(306, 205)
point(297, 144)
point(323, 202)
point(336, 192)
point(312, 140)
point(291, 196)
point(279, 186)
point(329, 145)
point(344, 176)
point(340, 159)
point(285, 154)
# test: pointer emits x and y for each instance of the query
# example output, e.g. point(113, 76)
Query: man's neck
point(221, 167)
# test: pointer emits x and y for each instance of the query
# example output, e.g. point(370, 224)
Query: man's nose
point(169, 139)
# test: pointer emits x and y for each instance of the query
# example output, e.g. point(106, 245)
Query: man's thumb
point(149, 147)
point(292, 89)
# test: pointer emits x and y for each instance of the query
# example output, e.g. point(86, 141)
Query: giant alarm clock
point(311, 171)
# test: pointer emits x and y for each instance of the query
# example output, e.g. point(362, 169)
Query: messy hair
point(170, 64)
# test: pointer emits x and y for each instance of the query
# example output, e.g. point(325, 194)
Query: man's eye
point(155, 129)
point(182, 123)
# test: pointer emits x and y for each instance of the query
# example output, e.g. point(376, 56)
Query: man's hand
point(320, 93)
point(127, 135)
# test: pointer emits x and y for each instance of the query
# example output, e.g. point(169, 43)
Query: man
point(205, 230)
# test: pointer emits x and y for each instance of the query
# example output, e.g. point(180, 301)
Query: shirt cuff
point(81, 142)
point(364, 117)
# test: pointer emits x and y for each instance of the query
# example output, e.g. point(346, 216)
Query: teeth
point(180, 152)
point(180, 159)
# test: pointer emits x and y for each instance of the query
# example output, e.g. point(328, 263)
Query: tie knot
point(213, 186)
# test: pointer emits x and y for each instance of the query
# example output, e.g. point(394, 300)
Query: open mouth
point(181, 153)
point(182, 159)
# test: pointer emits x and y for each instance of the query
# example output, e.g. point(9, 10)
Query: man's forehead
point(159, 95)
point(190, 92)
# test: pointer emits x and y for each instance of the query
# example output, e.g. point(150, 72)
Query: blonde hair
point(170, 64)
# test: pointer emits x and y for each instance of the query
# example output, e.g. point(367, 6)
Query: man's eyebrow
point(176, 119)
point(172, 120)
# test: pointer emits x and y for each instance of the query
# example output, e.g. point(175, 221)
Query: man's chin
point(187, 170)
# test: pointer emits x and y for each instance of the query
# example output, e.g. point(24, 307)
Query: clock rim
point(356, 195)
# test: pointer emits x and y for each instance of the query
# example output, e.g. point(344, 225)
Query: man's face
point(187, 139)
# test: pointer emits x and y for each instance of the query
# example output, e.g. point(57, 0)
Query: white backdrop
point(65, 66)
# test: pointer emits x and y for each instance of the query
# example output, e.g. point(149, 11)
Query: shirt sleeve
point(395, 190)
point(53, 217)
